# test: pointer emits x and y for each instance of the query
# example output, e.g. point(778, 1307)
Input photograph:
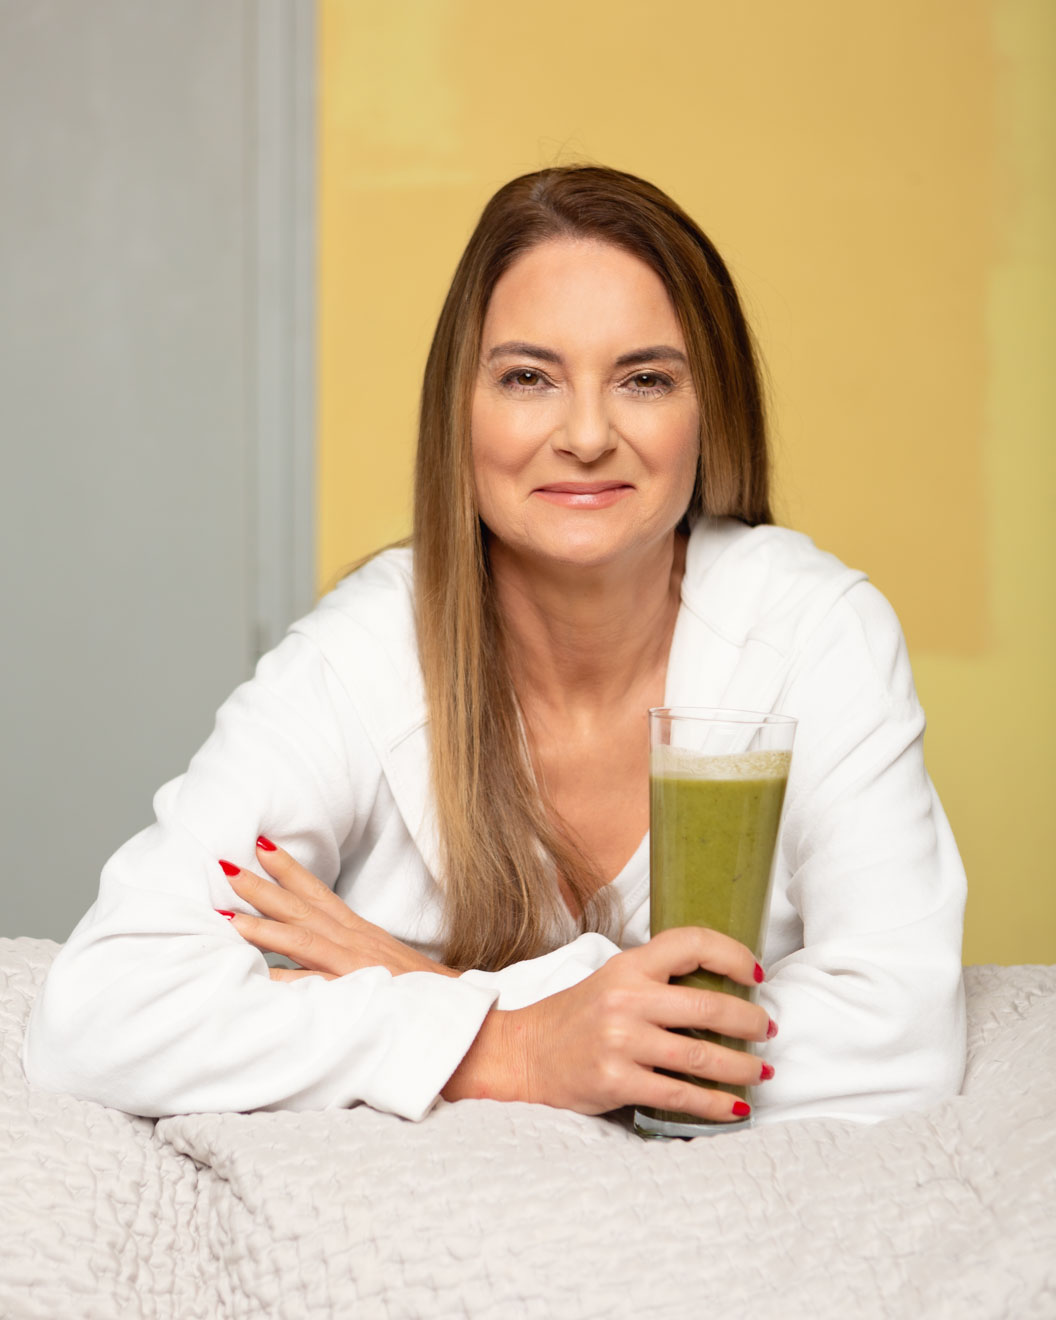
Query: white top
point(156, 1005)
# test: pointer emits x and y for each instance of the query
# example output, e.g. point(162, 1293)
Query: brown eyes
point(526, 380)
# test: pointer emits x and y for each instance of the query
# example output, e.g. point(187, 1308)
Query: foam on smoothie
point(682, 763)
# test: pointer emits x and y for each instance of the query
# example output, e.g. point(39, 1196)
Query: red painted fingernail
point(771, 1030)
point(222, 913)
point(266, 844)
point(229, 868)
point(767, 1073)
point(759, 974)
point(741, 1109)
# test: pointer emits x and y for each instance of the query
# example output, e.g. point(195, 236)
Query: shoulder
point(742, 579)
point(382, 585)
point(365, 632)
point(774, 584)
point(375, 600)
point(773, 588)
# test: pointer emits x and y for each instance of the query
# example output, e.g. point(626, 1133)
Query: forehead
point(580, 290)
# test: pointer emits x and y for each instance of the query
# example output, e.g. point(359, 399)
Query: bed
point(509, 1211)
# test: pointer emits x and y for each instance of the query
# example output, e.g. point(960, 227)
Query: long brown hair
point(502, 845)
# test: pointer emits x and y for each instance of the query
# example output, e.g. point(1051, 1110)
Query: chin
point(583, 540)
point(587, 549)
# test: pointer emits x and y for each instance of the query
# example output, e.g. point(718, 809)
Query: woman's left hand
point(305, 921)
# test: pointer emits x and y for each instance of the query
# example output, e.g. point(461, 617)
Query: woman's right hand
point(594, 1047)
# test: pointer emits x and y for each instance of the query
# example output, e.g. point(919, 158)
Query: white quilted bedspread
point(508, 1211)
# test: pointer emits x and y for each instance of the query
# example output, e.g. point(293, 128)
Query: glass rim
point(720, 715)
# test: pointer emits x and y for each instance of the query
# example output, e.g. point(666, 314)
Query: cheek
point(481, 444)
point(493, 457)
point(676, 449)
point(691, 458)
point(682, 468)
point(503, 438)
point(487, 449)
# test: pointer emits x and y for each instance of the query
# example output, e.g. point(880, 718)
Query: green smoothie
point(713, 828)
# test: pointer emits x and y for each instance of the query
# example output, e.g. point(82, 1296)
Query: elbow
point(68, 1051)
point(131, 1037)
point(865, 1043)
point(920, 1041)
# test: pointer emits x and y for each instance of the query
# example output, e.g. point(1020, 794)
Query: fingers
point(296, 896)
point(707, 1059)
point(682, 1097)
point(268, 898)
point(710, 1010)
point(307, 948)
point(656, 1038)
point(673, 1060)
point(615, 1062)
point(298, 880)
point(681, 1030)
point(686, 949)
point(290, 924)
point(305, 921)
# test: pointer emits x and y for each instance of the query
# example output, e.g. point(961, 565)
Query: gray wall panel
point(130, 414)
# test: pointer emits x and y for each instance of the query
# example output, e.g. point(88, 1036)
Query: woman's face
point(585, 427)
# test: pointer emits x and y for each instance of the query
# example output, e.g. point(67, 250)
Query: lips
point(583, 494)
point(583, 487)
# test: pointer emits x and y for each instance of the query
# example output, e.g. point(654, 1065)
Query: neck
point(586, 637)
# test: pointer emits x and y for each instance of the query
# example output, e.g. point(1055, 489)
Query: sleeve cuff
point(527, 982)
point(433, 1020)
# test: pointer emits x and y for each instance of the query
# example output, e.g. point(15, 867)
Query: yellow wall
point(880, 180)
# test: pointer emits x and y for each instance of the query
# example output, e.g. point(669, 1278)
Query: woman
point(450, 753)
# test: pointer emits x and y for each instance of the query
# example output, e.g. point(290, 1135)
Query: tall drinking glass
point(716, 787)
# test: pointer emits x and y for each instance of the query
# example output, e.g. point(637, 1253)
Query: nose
point(586, 431)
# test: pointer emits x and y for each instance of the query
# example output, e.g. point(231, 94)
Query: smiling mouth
point(584, 494)
point(584, 487)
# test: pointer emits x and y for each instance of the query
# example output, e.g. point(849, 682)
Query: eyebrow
point(636, 358)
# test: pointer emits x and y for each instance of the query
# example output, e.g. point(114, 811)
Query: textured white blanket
point(508, 1211)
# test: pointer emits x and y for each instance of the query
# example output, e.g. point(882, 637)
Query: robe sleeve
point(157, 1006)
point(871, 1008)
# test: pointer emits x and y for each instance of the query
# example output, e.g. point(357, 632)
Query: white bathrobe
point(157, 1006)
